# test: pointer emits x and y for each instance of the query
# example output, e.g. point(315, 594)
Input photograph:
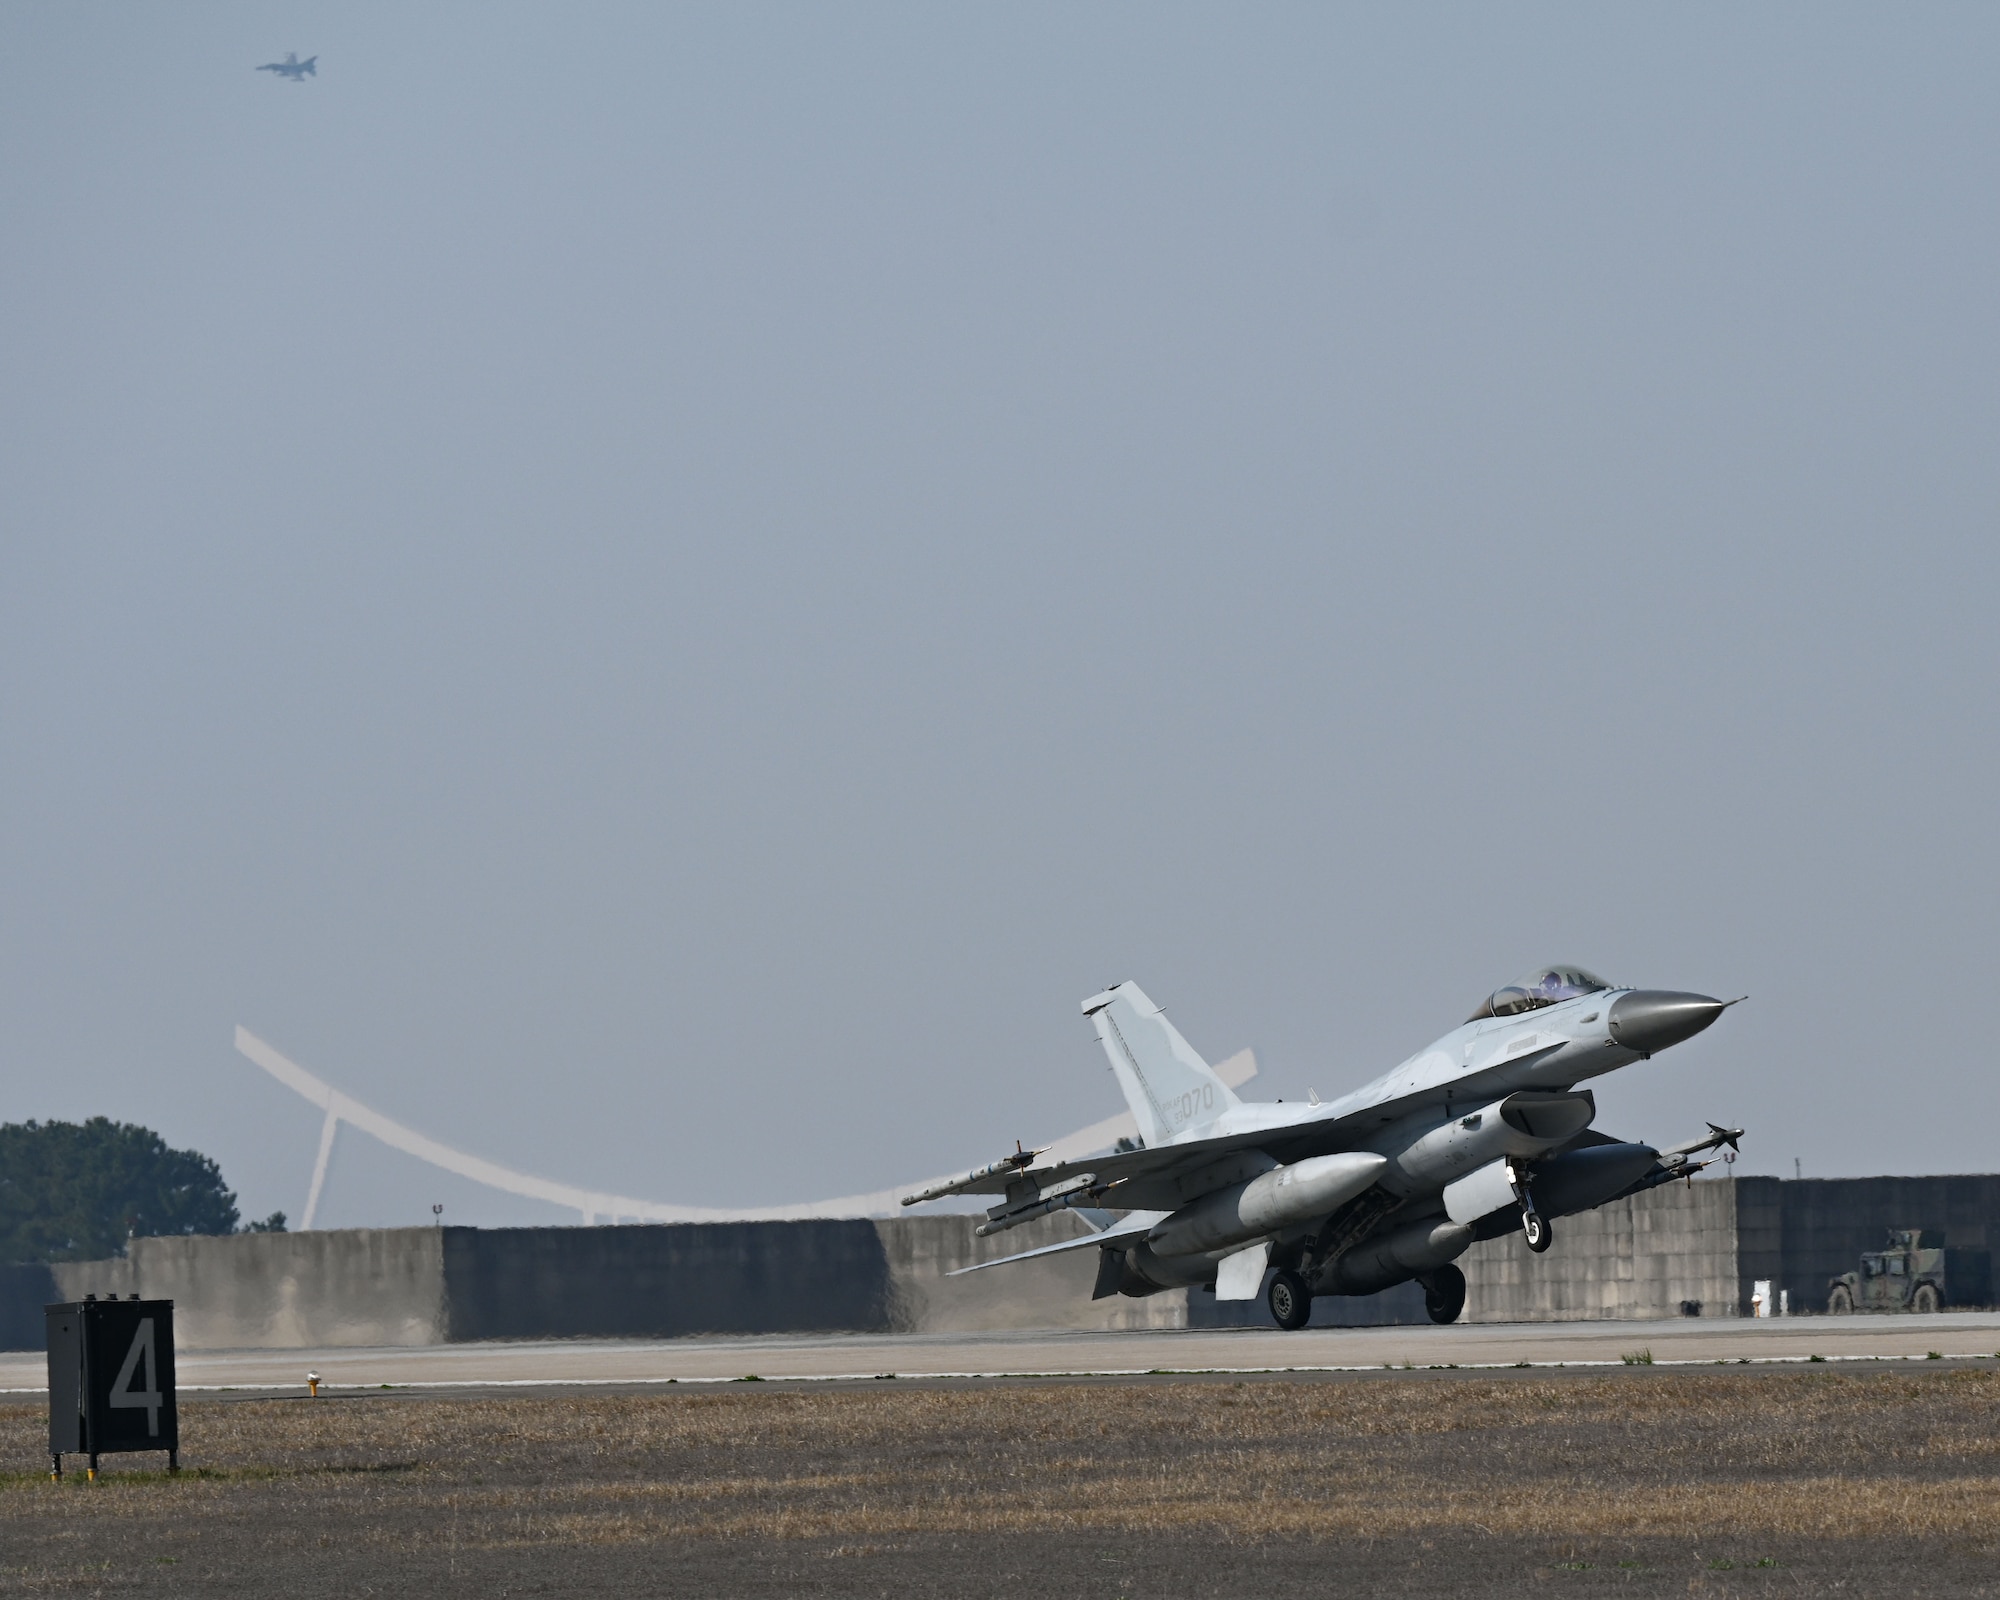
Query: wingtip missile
point(1716, 1137)
point(1019, 1161)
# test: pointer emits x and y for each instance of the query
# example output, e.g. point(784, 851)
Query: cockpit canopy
point(1543, 988)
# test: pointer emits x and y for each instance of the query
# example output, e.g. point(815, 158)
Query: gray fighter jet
point(1483, 1133)
point(292, 67)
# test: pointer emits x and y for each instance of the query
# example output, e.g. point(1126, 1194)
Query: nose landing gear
point(1533, 1223)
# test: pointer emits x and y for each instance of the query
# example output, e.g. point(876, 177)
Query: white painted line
point(1052, 1372)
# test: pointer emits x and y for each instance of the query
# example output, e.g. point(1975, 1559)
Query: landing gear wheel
point(1291, 1302)
point(1536, 1227)
point(1444, 1293)
point(1927, 1299)
point(1840, 1302)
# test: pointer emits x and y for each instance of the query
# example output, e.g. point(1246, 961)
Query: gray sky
point(659, 593)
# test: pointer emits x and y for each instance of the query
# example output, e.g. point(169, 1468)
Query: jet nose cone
point(1651, 1019)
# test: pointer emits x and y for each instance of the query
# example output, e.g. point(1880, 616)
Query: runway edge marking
point(1059, 1372)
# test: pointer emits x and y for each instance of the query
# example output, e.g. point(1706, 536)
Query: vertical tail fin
point(1168, 1086)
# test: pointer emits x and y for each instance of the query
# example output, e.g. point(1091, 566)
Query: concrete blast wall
point(359, 1286)
point(1649, 1256)
point(418, 1286)
point(1706, 1244)
point(771, 1277)
point(1801, 1233)
point(663, 1281)
point(1051, 1293)
point(24, 1290)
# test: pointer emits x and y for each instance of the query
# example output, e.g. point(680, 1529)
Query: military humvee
point(1915, 1273)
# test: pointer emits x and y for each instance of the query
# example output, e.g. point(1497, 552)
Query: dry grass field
point(1648, 1480)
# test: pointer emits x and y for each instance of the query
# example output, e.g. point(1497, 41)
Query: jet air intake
point(1524, 1124)
point(1277, 1199)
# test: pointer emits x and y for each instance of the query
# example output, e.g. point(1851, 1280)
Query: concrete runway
point(638, 1363)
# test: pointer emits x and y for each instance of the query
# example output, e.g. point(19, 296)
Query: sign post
point(111, 1380)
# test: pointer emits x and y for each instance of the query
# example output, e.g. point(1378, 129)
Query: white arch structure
point(593, 1204)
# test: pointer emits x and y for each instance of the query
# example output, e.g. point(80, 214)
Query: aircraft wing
point(1135, 1223)
point(1149, 1177)
point(1002, 1175)
point(1169, 1175)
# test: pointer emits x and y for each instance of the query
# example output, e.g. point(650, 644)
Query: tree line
point(78, 1191)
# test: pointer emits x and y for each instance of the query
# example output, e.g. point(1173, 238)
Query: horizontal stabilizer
point(1137, 1223)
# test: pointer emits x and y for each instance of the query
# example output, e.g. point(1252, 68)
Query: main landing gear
point(1291, 1302)
point(1444, 1293)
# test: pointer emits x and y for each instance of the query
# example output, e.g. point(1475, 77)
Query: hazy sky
point(660, 592)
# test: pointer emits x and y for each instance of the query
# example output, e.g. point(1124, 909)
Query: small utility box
point(111, 1380)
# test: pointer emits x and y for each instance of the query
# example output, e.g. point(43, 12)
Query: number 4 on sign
point(123, 1396)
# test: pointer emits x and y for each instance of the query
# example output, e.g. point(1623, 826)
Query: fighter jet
point(1484, 1133)
point(292, 67)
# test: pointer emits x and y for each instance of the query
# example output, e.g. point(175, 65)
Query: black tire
point(1839, 1300)
point(1444, 1294)
point(1927, 1299)
point(1539, 1234)
point(1291, 1302)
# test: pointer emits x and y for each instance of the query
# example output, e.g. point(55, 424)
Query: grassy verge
point(1797, 1458)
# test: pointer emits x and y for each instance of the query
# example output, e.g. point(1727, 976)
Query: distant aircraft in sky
point(292, 67)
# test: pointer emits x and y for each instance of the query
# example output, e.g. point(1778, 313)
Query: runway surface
point(830, 1357)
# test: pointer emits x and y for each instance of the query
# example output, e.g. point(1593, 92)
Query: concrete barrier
point(420, 1286)
point(1051, 1293)
point(1645, 1257)
point(24, 1290)
point(1801, 1233)
point(1658, 1254)
point(664, 1281)
point(357, 1286)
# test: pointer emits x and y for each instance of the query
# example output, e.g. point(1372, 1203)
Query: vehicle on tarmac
point(1482, 1133)
point(1915, 1273)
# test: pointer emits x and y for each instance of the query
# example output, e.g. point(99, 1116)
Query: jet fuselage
point(1483, 1131)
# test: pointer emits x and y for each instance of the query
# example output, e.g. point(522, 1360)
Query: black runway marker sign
point(111, 1380)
